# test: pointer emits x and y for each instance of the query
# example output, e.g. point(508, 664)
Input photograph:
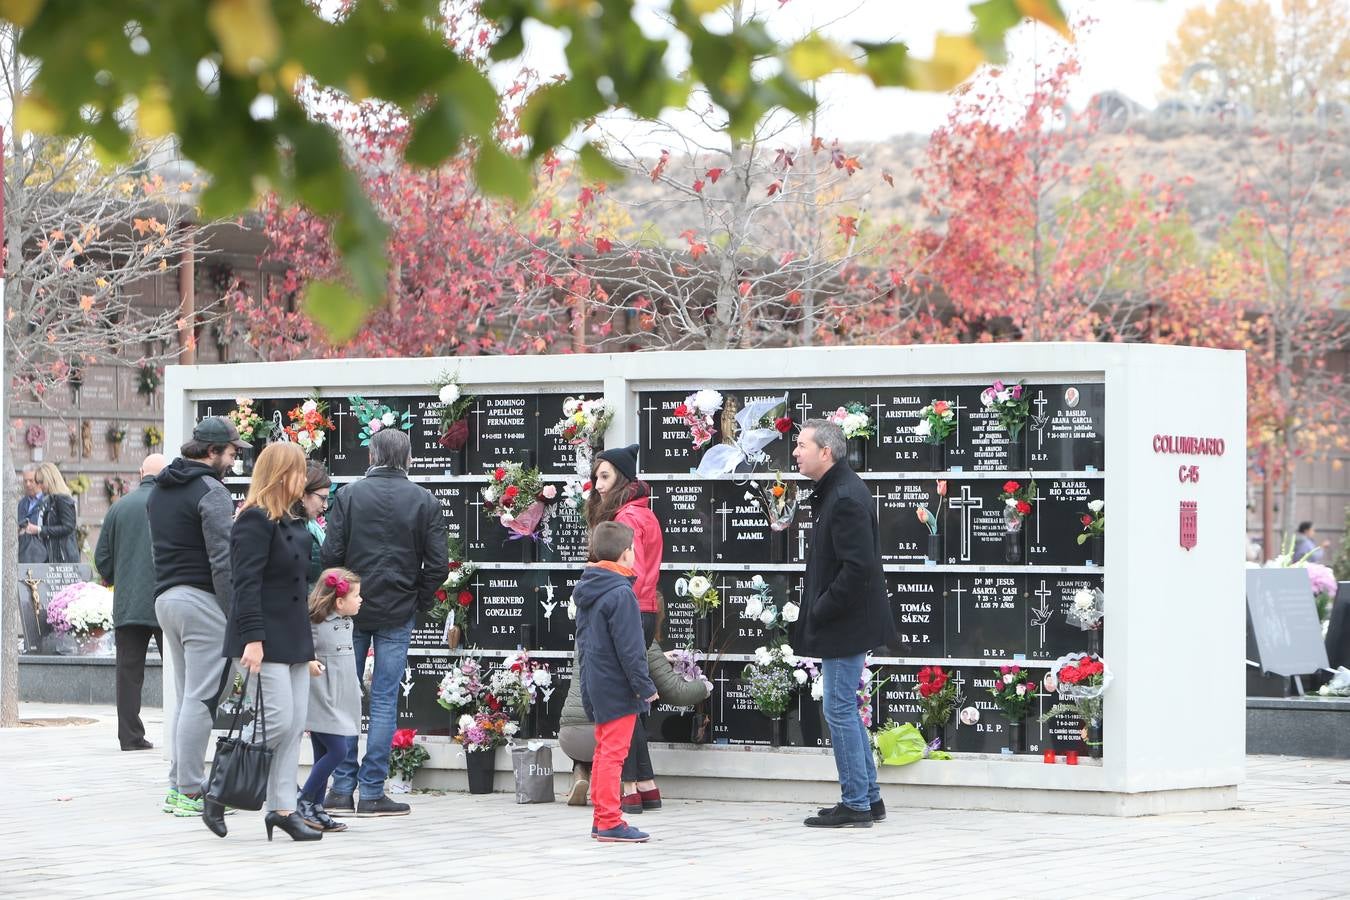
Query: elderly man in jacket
point(845, 613)
point(389, 531)
point(124, 560)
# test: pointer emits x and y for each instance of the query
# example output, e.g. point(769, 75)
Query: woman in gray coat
point(576, 733)
point(334, 720)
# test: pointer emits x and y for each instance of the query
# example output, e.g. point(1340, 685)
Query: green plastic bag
point(900, 745)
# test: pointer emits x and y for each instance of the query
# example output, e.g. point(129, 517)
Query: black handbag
point(240, 768)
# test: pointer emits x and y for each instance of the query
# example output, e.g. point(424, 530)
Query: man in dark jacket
point(389, 531)
point(190, 520)
point(845, 613)
point(32, 548)
point(615, 682)
point(124, 561)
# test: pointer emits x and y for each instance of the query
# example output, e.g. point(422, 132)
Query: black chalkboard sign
point(1282, 620)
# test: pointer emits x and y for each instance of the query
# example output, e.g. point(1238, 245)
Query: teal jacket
point(124, 559)
point(315, 551)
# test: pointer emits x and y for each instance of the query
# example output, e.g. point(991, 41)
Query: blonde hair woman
point(58, 517)
point(268, 630)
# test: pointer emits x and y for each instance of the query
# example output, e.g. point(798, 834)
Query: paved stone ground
point(81, 819)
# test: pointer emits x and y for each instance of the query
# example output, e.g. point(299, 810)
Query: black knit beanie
point(622, 458)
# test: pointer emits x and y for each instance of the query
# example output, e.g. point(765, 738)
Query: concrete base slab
point(82, 679)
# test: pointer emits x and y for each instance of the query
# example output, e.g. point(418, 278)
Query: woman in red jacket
point(618, 496)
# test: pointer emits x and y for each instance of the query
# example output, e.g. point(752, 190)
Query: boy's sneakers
point(878, 811)
point(339, 804)
point(841, 816)
point(188, 807)
point(623, 833)
point(171, 800)
point(381, 806)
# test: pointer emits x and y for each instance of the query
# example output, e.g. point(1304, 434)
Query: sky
point(1122, 51)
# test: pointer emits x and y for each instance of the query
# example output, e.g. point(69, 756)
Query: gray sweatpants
point(285, 706)
point(194, 636)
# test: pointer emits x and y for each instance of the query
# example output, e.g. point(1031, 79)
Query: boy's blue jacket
point(615, 681)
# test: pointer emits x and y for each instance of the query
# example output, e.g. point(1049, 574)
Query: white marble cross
point(965, 504)
point(958, 591)
point(803, 407)
point(724, 512)
point(956, 411)
point(722, 679)
point(476, 412)
point(1036, 498)
point(1038, 421)
point(1042, 614)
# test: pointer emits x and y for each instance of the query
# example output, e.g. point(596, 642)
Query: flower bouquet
point(153, 437)
point(376, 416)
point(82, 609)
point(116, 434)
point(454, 411)
point(930, 521)
point(937, 421)
point(770, 682)
point(115, 487)
point(583, 426)
point(1080, 679)
point(1094, 529)
point(480, 735)
point(685, 663)
point(148, 379)
point(700, 591)
point(406, 756)
point(1016, 507)
point(761, 607)
point(778, 499)
point(938, 697)
point(79, 484)
point(575, 493)
point(453, 599)
point(520, 682)
point(35, 436)
point(1010, 405)
point(309, 424)
point(518, 498)
point(1014, 693)
point(251, 426)
point(697, 412)
point(1087, 609)
point(462, 688)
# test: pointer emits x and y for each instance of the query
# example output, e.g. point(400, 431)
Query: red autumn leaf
point(775, 188)
point(714, 174)
point(698, 186)
point(848, 226)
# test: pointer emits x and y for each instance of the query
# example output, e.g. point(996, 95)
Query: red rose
point(493, 703)
point(925, 674)
point(499, 473)
point(783, 424)
point(455, 564)
point(510, 493)
point(1010, 486)
point(1068, 675)
point(1086, 520)
point(403, 738)
point(586, 487)
point(1023, 507)
point(465, 598)
point(682, 411)
point(442, 596)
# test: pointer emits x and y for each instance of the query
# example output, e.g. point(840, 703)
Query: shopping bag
point(900, 745)
point(240, 767)
point(533, 765)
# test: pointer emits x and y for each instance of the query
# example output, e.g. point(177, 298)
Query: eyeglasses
point(323, 497)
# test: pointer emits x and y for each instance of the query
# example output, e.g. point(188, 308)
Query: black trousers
point(638, 765)
point(132, 643)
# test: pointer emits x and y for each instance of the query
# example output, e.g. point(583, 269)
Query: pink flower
point(1017, 392)
point(549, 492)
point(998, 386)
point(374, 425)
point(1004, 670)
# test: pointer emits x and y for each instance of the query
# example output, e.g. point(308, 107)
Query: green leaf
point(703, 7)
point(502, 174)
point(596, 167)
point(993, 19)
point(815, 57)
point(436, 134)
point(887, 65)
point(335, 309)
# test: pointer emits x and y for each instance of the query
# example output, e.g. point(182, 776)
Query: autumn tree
point(1270, 54)
point(82, 242)
point(1041, 239)
point(222, 75)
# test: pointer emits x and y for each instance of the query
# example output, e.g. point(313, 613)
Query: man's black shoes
point(841, 816)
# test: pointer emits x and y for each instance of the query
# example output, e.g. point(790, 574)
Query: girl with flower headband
point(334, 720)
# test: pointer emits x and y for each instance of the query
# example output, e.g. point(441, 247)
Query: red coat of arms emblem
point(1188, 523)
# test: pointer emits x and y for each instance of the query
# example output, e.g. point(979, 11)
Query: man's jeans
point(852, 745)
point(391, 657)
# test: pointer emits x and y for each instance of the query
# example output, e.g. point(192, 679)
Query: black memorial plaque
point(487, 540)
point(1062, 733)
point(549, 703)
point(454, 500)
point(505, 429)
point(417, 699)
point(677, 631)
point(565, 538)
point(972, 527)
point(554, 628)
point(1065, 430)
point(684, 509)
point(557, 456)
point(427, 633)
point(990, 733)
point(663, 437)
point(1053, 528)
point(986, 616)
point(429, 457)
point(896, 447)
point(1050, 634)
point(919, 608)
point(733, 630)
point(980, 443)
point(38, 583)
point(735, 719)
point(504, 599)
point(740, 530)
point(821, 403)
point(347, 456)
point(904, 539)
point(778, 453)
point(806, 725)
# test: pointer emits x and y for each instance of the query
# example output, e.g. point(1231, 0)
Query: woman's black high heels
point(293, 825)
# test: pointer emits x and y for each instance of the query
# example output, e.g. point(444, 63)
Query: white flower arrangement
point(584, 421)
point(1087, 609)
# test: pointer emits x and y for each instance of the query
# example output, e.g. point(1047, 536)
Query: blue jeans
point(852, 745)
point(391, 657)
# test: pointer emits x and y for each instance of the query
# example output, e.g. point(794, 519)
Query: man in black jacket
point(191, 515)
point(845, 613)
point(390, 532)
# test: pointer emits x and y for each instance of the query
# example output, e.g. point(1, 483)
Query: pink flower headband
point(337, 583)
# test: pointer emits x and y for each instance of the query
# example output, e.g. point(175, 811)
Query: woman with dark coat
point(58, 530)
point(268, 629)
point(618, 496)
point(318, 486)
